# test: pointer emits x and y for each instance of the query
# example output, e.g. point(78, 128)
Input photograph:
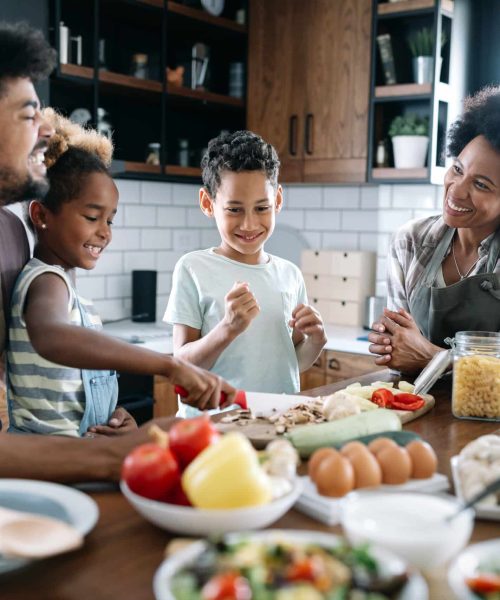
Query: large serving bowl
point(195, 521)
point(410, 524)
point(467, 563)
point(415, 588)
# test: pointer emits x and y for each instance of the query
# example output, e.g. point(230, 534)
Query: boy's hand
point(203, 388)
point(120, 422)
point(307, 320)
point(241, 308)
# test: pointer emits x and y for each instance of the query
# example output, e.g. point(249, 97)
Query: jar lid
point(436, 367)
point(140, 57)
point(154, 145)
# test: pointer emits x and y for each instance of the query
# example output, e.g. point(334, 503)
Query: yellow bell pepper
point(227, 474)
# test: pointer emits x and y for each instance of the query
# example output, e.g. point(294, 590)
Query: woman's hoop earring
point(44, 226)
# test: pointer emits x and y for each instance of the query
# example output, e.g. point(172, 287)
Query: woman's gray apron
point(101, 389)
point(472, 304)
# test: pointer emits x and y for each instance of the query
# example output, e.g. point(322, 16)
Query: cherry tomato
point(484, 583)
point(189, 437)
point(227, 586)
point(302, 570)
point(151, 471)
point(383, 398)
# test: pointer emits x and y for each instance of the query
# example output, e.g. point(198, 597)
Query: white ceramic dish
point(81, 511)
point(410, 524)
point(415, 589)
point(327, 510)
point(194, 521)
point(482, 509)
point(466, 563)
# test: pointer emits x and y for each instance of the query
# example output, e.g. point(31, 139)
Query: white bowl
point(195, 521)
point(466, 563)
point(415, 588)
point(410, 524)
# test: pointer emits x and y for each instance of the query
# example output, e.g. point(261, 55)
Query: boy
point(236, 310)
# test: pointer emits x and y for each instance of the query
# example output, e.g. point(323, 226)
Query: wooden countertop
point(122, 553)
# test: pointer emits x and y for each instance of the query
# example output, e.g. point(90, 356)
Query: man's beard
point(15, 189)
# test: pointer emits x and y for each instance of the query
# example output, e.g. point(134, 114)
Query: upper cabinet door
point(276, 79)
point(337, 78)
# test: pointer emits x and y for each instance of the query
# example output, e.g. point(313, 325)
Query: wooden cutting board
point(260, 432)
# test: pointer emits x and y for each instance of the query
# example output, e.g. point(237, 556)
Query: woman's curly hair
point(481, 116)
point(238, 151)
point(73, 153)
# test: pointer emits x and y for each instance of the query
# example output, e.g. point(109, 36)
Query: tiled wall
point(158, 222)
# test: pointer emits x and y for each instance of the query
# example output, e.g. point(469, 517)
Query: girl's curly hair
point(73, 152)
point(481, 116)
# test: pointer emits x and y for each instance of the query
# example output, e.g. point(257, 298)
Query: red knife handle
point(239, 399)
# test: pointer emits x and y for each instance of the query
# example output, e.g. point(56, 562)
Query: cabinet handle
point(334, 364)
point(309, 133)
point(292, 135)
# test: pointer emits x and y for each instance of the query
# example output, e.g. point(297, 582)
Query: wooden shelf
point(394, 8)
point(185, 171)
point(140, 167)
point(205, 17)
point(119, 80)
point(77, 71)
point(403, 89)
point(204, 96)
point(397, 174)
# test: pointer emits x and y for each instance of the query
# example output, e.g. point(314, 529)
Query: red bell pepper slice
point(383, 398)
point(484, 583)
point(396, 405)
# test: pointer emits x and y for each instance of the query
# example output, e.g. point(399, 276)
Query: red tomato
point(407, 406)
point(189, 437)
point(408, 398)
point(484, 583)
point(151, 471)
point(302, 570)
point(227, 586)
point(383, 398)
point(177, 496)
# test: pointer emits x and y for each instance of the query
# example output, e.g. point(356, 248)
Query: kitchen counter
point(158, 336)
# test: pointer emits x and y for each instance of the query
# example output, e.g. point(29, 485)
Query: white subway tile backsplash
point(140, 216)
point(409, 196)
point(341, 197)
point(313, 238)
point(381, 268)
point(384, 240)
point(92, 288)
point(109, 262)
point(185, 194)
point(424, 214)
point(210, 238)
point(155, 192)
point(391, 220)
point(138, 260)
point(340, 241)
point(368, 242)
point(126, 239)
point(171, 216)
point(359, 220)
point(381, 288)
point(166, 261)
point(164, 283)
point(161, 305)
point(111, 309)
point(195, 218)
point(439, 197)
point(291, 218)
point(323, 220)
point(119, 286)
point(156, 239)
point(385, 196)
point(305, 196)
point(129, 191)
point(186, 239)
point(369, 197)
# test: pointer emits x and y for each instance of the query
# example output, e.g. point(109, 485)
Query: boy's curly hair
point(238, 151)
point(481, 116)
point(73, 152)
point(24, 53)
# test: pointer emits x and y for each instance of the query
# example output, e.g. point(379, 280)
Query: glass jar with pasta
point(476, 375)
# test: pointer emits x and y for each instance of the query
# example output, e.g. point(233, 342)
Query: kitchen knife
point(438, 365)
point(260, 404)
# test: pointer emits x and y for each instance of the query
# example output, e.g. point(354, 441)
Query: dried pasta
point(476, 387)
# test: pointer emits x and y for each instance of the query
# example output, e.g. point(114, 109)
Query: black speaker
point(144, 296)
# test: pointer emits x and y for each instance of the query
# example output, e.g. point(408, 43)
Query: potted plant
point(410, 140)
point(421, 44)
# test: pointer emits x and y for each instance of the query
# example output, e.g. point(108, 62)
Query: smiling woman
point(444, 272)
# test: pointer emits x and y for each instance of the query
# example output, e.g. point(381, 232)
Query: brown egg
point(353, 448)
point(316, 458)
point(334, 476)
point(381, 443)
point(423, 459)
point(395, 464)
point(367, 471)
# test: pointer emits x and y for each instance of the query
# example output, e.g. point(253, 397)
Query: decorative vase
point(410, 151)
point(423, 69)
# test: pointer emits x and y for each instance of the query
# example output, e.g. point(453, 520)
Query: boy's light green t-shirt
point(262, 358)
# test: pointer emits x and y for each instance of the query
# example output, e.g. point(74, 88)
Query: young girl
point(52, 326)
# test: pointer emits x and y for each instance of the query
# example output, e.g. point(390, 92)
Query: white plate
point(482, 510)
point(466, 564)
point(196, 521)
point(327, 510)
point(80, 508)
point(415, 589)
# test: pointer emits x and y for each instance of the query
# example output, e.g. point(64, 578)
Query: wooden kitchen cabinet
point(308, 86)
point(334, 366)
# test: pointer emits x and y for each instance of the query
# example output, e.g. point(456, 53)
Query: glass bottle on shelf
point(381, 157)
point(184, 153)
point(139, 66)
point(153, 154)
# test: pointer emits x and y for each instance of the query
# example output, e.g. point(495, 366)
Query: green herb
point(409, 124)
point(421, 42)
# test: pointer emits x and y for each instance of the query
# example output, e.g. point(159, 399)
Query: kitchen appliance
point(65, 46)
point(144, 296)
point(199, 64)
point(374, 307)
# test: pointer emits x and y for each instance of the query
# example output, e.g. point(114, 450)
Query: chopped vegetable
point(383, 397)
